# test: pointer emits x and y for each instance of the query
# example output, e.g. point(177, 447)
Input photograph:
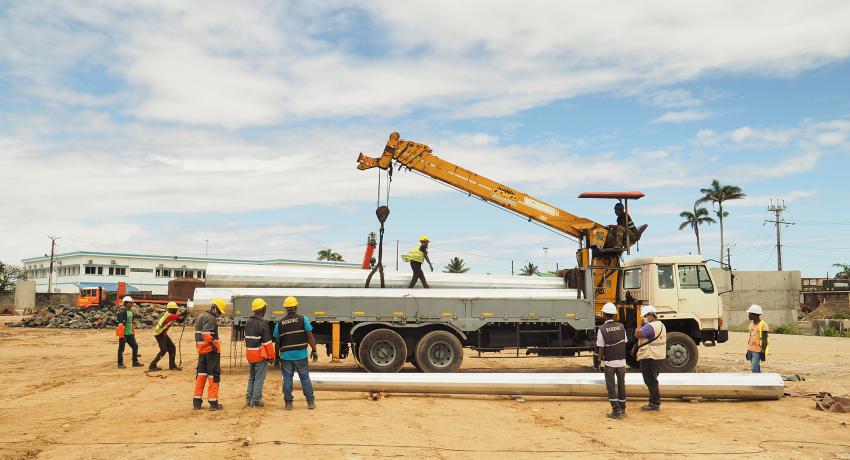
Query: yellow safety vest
point(414, 255)
point(160, 325)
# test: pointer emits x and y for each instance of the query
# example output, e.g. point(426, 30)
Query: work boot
point(615, 411)
point(138, 364)
point(650, 407)
point(154, 368)
point(258, 404)
point(311, 404)
point(287, 405)
point(197, 403)
point(214, 405)
point(121, 366)
point(623, 409)
point(175, 368)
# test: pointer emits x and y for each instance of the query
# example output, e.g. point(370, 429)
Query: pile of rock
point(70, 317)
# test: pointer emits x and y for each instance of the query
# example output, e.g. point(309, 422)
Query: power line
point(777, 210)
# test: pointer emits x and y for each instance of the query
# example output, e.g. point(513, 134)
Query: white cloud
point(683, 116)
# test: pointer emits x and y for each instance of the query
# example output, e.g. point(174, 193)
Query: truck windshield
point(695, 277)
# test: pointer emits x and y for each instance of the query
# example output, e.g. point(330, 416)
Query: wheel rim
point(441, 355)
point(677, 355)
point(383, 353)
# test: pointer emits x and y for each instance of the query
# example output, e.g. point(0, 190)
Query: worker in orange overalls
point(209, 355)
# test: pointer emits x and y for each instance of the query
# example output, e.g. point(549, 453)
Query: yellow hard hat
point(171, 306)
point(424, 238)
point(290, 302)
point(258, 304)
point(221, 304)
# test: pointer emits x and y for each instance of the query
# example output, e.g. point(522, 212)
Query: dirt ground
point(63, 397)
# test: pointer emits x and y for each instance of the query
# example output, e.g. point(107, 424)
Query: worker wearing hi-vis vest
point(651, 352)
point(611, 341)
point(293, 334)
point(757, 344)
point(416, 256)
point(126, 332)
point(209, 355)
point(259, 351)
point(166, 345)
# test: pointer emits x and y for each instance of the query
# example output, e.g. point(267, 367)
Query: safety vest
point(206, 334)
point(658, 348)
point(163, 324)
point(414, 255)
point(614, 336)
point(761, 328)
point(258, 341)
point(293, 335)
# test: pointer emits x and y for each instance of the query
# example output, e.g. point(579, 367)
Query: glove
point(315, 357)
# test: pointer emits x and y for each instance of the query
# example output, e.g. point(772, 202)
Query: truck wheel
point(439, 351)
point(682, 353)
point(382, 350)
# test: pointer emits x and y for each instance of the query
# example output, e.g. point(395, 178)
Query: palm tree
point(329, 255)
point(845, 271)
point(529, 270)
point(694, 219)
point(455, 265)
point(717, 194)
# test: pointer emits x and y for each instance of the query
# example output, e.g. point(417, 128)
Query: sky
point(232, 128)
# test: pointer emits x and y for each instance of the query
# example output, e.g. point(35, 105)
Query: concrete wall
point(778, 293)
point(7, 300)
point(24, 295)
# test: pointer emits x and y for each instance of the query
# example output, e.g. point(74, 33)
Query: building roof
point(191, 258)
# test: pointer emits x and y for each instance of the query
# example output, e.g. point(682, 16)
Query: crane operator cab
point(622, 235)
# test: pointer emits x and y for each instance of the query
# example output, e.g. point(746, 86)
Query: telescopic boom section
point(418, 157)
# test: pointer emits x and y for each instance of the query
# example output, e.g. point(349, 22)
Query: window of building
point(631, 279)
point(91, 270)
point(99, 270)
point(202, 274)
point(695, 277)
point(178, 273)
point(118, 271)
point(665, 277)
point(188, 274)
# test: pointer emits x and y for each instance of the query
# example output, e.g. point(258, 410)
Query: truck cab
point(686, 297)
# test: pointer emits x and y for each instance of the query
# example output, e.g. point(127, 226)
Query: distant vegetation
point(529, 270)
point(788, 329)
point(455, 265)
point(330, 255)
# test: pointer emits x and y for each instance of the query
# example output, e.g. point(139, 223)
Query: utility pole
point(546, 259)
point(512, 268)
point(207, 248)
point(50, 272)
point(777, 210)
point(396, 255)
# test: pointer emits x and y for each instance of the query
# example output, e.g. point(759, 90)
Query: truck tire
point(382, 350)
point(682, 353)
point(438, 351)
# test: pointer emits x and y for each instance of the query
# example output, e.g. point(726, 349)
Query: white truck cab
point(686, 297)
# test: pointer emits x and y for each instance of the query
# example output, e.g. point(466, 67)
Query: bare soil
point(63, 397)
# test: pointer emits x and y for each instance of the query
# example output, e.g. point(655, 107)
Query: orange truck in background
point(95, 297)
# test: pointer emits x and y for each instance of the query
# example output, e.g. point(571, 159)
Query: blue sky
point(153, 126)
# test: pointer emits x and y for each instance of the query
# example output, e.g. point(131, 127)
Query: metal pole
point(50, 272)
point(396, 255)
point(546, 259)
point(512, 268)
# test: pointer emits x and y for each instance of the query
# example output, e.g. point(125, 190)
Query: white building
point(82, 269)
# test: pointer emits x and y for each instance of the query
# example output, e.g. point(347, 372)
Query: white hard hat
point(126, 299)
point(755, 309)
point(647, 309)
point(609, 308)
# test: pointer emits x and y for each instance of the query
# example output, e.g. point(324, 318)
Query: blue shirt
point(294, 355)
point(647, 331)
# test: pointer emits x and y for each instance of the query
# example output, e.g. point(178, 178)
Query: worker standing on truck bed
point(294, 333)
point(166, 345)
point(611, 340)
point(651, 352)
point(259, 350)
point(126, 332)
point(416, 256)
point(757, 343)
point(209, 355)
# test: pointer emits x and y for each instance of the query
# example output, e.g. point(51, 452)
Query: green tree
point(717, 194)
point(529, 270)
point(694, 219)
point(329, 255)
point(455, 265)
point(8, 275)
point(845, 271)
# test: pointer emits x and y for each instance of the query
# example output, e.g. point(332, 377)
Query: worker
point(293, 334)
point(209, 355)
point(651, 352)
point(260, 351)
point(757, 344)
point(611, 341)
point(126, 332)
point(166, 345)
point(416, 256)
point(626, 224)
